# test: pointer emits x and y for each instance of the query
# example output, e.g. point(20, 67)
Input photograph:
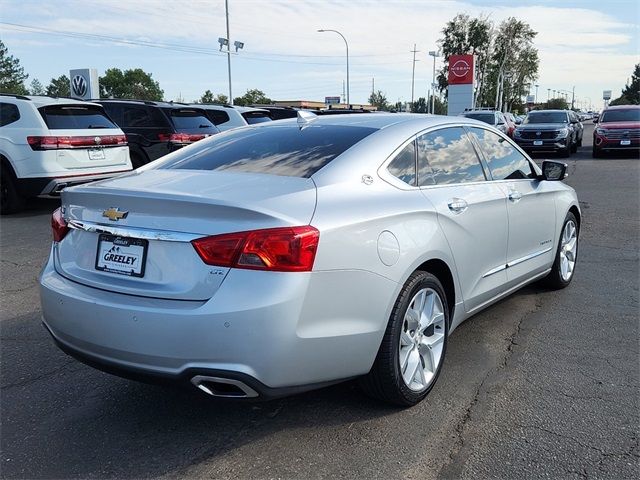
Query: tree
point(631, 92)
point(208, 97)
point(59, 87)
point(466, 35)
point(252, 97)
point(557, 104)
point(379, 100)
point(12, 74)
point(36, 87)
point(134, 83)
point(419, 106)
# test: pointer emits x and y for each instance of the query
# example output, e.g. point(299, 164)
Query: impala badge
point(114, 214)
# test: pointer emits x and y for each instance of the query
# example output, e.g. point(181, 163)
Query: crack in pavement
point(460, 426)
point(37, 378)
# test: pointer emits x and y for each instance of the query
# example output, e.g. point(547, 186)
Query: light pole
point(227, 42)
point(347, 45)
point(548, 93)
point(434, 54)
point(536, 98)
point(413, 72)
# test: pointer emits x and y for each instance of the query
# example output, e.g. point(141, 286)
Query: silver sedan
point(282, 257)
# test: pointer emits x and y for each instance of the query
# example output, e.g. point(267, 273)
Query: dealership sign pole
point(461, 80)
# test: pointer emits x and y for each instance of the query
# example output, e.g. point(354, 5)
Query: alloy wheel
point(568, 250)
point(422, 339)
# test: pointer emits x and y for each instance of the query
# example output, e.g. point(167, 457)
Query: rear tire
point(565, 152)
point(415, 336)
point(566, 255)
point(10, 199)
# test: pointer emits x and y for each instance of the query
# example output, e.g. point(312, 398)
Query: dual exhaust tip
point(223, 387)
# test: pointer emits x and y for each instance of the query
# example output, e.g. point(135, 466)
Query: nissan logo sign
point(460, 68)
point(79, 86)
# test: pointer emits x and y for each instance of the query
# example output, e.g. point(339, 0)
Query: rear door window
point(59, 117)
point(277, 150)
point(447, 156)
point(218, 117)
point(505, 161)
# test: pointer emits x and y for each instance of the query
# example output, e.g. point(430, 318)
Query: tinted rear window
point(58, 117)
point(281, 150)
point(546, 117)
point(256, 117)
point(482, 117)
point(191, 120)
point(631, 115)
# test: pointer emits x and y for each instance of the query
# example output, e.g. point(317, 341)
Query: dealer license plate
point(121, 255)
point(537, 143)
point(96, 154)
point(625, 142)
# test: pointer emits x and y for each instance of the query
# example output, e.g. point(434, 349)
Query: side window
point(137, 117)
point(217, 117)
point(8, 114)
point(404, 165)
point(114, 111)
point(447, 156)
point(505, 161)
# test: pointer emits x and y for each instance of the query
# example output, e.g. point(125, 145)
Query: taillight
point(57, 143)
point(286, 249)
point(180, 137)
point(59, 227)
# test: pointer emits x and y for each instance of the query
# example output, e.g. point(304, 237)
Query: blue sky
point(590, 44)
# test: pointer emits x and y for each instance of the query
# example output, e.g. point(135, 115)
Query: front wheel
point(566, 255)
point(414, 344)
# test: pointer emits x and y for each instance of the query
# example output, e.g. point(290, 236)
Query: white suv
point(47, 144)
point(226, 117)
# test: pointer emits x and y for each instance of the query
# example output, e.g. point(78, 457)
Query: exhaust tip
point(223, 387)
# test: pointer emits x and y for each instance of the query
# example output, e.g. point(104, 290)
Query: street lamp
point(347, 45)
point(536, 98)
point(226, 42)
point(433, 54)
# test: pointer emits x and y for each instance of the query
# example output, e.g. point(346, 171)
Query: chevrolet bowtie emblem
point(114, 214)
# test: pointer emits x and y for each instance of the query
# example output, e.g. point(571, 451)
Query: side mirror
point(553, 171)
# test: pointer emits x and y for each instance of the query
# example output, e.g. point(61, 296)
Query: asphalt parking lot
point(542, 384)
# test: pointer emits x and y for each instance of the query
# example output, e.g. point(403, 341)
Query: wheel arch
point(576, 213)
point(443, 272)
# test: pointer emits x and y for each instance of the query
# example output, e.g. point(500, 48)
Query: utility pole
point(413, 71)
point(548, 94)
point(373, 85)
point(433, 54)
point(573, 96)
point(226, 11)
point(536, 97)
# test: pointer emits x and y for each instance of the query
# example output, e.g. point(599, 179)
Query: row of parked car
point(48, 144)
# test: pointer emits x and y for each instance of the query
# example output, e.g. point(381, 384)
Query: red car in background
point(510, 121)
point(618, 129)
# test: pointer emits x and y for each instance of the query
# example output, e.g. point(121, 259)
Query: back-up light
point(59, 227)
point(286, 249)
point(180, 137)
point(57, 143)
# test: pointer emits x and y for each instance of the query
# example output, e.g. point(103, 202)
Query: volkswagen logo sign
point(79, 86)
point(538, 134)
point(97, 140)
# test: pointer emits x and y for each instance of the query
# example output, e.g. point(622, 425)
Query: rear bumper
point(52, 186)
point(272, 330)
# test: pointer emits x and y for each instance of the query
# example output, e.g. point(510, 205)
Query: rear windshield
point(191, 120)
point(631, 115)
point(483, 117)
point(277, 150)
point(546, 117)
point(58, 117)
point(256, 117)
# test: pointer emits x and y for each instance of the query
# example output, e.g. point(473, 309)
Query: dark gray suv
point(550, 130)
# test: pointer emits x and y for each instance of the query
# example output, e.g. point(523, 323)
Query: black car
point(154, 129)
point(550, 130)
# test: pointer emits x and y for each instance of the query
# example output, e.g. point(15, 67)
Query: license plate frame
point(96, 154)
point(122, 250)
point(625, 143)
point(537, 143)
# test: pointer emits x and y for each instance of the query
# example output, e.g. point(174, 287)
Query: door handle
point(515, 196)
point(457, 205)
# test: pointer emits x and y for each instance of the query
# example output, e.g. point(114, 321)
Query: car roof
point(623, 107)
point(154, 103)
point(250, 109)
point(379, 120)
point(478, 111)
point(557, 110)
point(44, 101)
